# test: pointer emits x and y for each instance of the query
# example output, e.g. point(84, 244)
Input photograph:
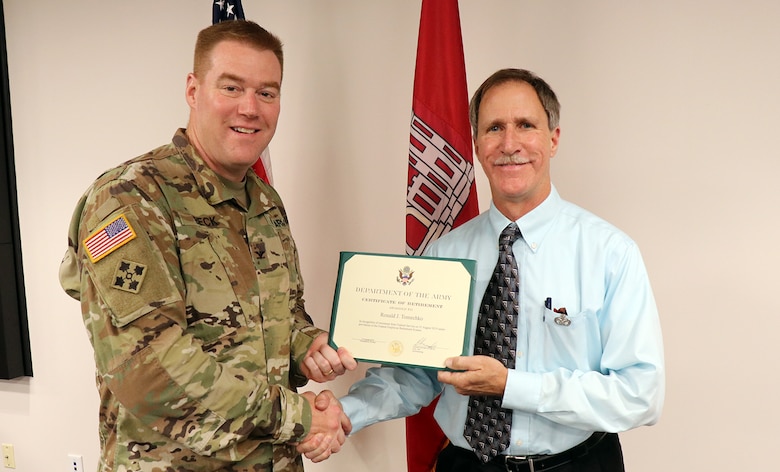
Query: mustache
point(511, 159)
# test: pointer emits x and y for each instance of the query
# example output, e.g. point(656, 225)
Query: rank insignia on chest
point(129, 276)
point(108, 238)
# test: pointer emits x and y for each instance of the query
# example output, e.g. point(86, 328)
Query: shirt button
point(519, 442)
point(533, 246)
point(519, 353)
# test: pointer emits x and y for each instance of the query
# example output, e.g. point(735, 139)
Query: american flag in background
point(227, 10)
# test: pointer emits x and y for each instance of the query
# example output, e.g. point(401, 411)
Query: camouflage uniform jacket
point(194, 308)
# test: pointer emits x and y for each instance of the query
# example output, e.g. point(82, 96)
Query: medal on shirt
point(563, 319)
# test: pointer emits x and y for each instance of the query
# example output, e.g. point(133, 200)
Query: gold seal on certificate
point(408, 310)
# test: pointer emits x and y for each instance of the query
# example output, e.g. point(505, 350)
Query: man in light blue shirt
point(589, 355)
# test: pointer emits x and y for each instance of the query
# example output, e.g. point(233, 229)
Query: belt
point(548, 462)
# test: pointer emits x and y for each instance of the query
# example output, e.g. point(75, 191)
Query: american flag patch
point(110, 237)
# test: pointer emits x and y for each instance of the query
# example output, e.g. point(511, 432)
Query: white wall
point(670, 111)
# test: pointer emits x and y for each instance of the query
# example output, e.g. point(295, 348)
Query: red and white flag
point(441, 193)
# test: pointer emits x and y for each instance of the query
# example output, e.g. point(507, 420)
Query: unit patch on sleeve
point(129, 276)
point(113, 235)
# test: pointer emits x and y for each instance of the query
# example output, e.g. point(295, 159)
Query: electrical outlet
point(74, 463)
point(9, 462)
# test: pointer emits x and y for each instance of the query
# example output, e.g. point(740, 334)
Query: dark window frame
point(15, 356)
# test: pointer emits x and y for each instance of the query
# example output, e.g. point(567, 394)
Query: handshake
point(329, 427)
point(329, 424)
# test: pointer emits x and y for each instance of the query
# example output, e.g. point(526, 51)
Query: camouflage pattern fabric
point(191, 294)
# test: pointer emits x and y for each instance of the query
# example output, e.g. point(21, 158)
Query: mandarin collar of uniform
point(534, 225)
point(262, 200)
point(209, 183)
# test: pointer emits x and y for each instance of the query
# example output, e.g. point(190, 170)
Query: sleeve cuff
point(352, 407)
point(523, 391)
point(296, 418)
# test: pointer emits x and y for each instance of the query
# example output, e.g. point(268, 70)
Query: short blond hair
point(242, 31)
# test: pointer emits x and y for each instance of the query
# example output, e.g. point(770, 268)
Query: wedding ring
point(328, 373)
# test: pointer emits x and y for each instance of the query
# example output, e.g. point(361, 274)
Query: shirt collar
point(534, 225)
point(210, 184)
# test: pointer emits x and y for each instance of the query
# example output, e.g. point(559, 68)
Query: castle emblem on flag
point(439, 184)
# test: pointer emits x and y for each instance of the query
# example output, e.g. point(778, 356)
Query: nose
point(510, 141)
point(248, 105)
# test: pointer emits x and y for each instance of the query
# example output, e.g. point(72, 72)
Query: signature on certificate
point(423, 345)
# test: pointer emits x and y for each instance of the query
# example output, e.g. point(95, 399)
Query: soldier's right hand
point(329, 427)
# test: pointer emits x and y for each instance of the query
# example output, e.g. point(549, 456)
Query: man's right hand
point(329, 427)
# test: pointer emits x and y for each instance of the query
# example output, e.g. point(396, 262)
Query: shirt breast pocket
point(212, 308)
point(570, 340)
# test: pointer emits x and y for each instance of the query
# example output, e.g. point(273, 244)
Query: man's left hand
point(477, 375)
point(323, 363)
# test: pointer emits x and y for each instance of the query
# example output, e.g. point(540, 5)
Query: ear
point(556, 136)
point(476, 149)
point(191, 89)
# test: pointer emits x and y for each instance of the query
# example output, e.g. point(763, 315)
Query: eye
point(230, 90)
point(268, 95)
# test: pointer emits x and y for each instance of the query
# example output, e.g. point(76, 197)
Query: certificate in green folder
point(403, 310)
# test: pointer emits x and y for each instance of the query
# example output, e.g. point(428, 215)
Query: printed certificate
point(408, 310)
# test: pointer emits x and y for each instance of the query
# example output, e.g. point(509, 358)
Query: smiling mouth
point(511, 160)
point(244, 130)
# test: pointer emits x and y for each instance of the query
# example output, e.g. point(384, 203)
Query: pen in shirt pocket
point(548, 305)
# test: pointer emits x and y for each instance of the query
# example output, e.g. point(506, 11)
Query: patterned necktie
point(488, 425)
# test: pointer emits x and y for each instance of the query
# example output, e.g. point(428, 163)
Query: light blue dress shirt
point(602, 372)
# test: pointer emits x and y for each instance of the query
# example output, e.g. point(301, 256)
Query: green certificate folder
point(403, 310)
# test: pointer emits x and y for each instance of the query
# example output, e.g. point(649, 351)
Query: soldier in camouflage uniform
point(191, 291)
